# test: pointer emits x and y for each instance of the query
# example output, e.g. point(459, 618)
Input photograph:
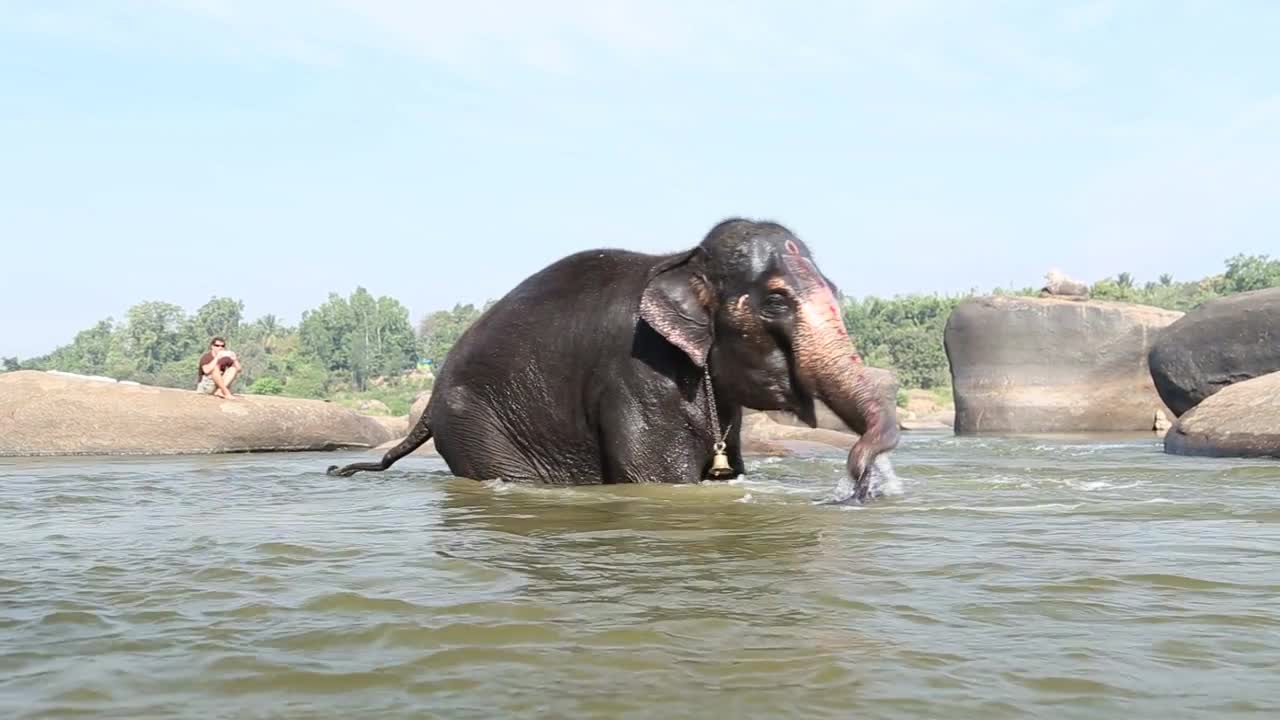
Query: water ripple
point(1002, 578)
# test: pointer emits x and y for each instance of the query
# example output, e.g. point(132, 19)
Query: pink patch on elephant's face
point(816, 295)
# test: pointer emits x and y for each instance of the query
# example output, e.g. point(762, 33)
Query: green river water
point(1090, 577)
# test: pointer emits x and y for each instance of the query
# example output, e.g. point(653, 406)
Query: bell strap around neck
point(720, 467)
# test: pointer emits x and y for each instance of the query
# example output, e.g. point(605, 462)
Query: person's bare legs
point(230, 376)
point(227, 365)
point(219, 379)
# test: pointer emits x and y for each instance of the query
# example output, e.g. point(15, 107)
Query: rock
point(1161, 423)
point(427, 448)
point(942, 420)
point(761, 435)
point(419, 406)
point(55, 414)
point(923, 411)
point(398, 426)
point(373, 407)
point(1037, 365)
point(922, 403)
point(1240, 420)
point(1223, 341)
point(1058, 284)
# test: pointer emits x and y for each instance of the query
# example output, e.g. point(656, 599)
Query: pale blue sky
point(440, 152)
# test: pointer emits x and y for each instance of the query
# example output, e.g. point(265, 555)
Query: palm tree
point(267, 328)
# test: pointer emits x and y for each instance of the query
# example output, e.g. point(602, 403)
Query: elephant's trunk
point(831, 369)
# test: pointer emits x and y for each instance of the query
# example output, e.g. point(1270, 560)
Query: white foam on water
point(1044, 507)
point(498, 486)
point(884, 480)
point(768, 487)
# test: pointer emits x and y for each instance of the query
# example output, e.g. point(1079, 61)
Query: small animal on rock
point(1056, 284)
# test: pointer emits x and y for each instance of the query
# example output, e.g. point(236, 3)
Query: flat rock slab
point(426, 449)
point(1045, 365)
point(45, 413)
point(1240, 420)
point(761, 435)
point(396, 425)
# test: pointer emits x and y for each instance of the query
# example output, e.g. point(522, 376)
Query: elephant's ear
point(677, 304)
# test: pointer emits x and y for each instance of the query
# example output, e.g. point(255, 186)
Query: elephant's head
point(750, 303)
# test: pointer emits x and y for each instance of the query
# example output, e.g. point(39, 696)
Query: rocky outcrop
point(397, 425)
point(1034, 365)
point(761, 435)
point(923, 411)
point(1242, 420)
point(60, 414)
point(373, 407)
point(427, 448)
point(419, 406)
point(1222, 342)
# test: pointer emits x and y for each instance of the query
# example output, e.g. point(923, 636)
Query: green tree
point(360, 337)
point(266, 386)
point(220, 317)
point(325, 334)
point(1250, 272)
point(438, 331)
point(903, 334)
point(153, 335)
point(307, 380)
point(89, 353)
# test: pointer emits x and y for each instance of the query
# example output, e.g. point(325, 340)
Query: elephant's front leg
point(647, 447)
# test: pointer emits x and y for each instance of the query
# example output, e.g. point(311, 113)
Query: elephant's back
point(529, 370)
point(571, 305)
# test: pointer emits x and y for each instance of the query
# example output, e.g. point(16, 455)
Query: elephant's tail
point(420, 434)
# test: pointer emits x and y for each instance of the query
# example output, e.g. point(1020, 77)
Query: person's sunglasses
point(219, 345)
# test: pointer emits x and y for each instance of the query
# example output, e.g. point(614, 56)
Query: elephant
point(615, 366)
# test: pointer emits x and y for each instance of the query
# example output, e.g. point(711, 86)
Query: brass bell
point(720, 467)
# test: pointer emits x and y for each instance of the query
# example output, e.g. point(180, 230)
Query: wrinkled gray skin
point(592, 370)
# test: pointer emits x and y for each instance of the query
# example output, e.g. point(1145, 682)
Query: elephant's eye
point(775, 304)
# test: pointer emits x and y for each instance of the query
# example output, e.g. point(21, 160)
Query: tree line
point(361, 346)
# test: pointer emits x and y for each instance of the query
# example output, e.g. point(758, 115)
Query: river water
point(1002, 577)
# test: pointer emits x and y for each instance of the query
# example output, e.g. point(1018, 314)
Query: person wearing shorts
point(218, 368)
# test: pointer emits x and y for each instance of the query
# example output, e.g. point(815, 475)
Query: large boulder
point(763, 436)
point(1223, 341)
point(60, 414)
point(419, 406)
point(397, 425)
point(1242, 420)
point(426, 449)
point(1037, 365)
point(761, 432)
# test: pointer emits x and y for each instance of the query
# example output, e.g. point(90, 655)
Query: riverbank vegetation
point(363, 352)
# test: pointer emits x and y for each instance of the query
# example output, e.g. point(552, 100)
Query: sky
point(440, 152)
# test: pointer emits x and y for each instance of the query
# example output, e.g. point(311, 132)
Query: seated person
point(218, 369)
